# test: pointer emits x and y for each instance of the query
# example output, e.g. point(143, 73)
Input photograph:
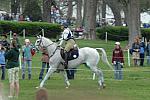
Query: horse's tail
point(104, 57)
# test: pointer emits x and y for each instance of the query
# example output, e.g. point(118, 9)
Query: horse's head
point(42, 42)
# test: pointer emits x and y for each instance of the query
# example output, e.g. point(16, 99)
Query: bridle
point(39, 45)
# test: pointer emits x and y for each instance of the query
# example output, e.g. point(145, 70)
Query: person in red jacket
point(117, 61)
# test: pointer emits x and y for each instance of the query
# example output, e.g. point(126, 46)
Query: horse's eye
point(38, 41)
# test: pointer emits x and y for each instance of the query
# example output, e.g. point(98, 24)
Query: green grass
point(135, 85)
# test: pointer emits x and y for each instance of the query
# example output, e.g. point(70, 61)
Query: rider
point(67, 39)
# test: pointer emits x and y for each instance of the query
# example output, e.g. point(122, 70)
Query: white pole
point(106, 37)
point(20, 64)
point(128, 57)
point(24, 33)
point(43, 32)
point(10, 34)
point(93, 76)
point(145, 41)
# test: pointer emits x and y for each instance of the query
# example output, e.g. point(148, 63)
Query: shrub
point(31, 28)
point(146, 32)
point(1, 30)
point(119, 33)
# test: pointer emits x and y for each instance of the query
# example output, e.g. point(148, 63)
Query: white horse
point(87, 55)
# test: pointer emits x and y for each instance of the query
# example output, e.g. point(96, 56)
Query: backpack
point(32, 52)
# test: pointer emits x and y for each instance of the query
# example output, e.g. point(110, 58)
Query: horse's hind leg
point(99, 73)
point(66, 79)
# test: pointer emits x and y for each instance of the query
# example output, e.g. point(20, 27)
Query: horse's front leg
point(66, 79)
point(48, 74)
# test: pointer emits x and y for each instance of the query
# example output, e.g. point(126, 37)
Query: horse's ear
point(40, 36)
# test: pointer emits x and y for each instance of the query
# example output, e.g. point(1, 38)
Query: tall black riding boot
point(66, 60)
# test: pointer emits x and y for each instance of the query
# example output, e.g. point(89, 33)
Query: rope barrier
point(117, 35)
point(88, 70)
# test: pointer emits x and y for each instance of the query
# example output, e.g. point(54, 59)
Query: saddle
point(72, 54)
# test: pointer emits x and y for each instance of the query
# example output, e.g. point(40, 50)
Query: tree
point(84, 11)
point(90, 18)
point(79, 13)
point(134, 19)
point(69, 11)
point(132, 11)
point(47, 10)
point(15, 6)
point(33, 10)
point(5, 5)
point(116, 9)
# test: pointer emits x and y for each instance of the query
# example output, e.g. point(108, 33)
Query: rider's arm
point(61, 42)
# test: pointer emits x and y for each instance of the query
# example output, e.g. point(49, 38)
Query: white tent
point(3, 12)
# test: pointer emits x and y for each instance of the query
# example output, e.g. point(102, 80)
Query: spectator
point(5, 42)
point(12, 57)
point(15, 37)
point(117, 61)
point(21, 18)
point(142, 51)
point(148, 52)
point(45, 62)
point(135, 51)
point(27, 58)
point(2, 61)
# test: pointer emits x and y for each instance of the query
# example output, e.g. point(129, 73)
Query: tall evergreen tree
point(33, 10)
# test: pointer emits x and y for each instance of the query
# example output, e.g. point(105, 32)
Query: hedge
point(31, 28)
point(119, 33)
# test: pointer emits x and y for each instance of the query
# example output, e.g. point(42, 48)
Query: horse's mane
point(47, 39)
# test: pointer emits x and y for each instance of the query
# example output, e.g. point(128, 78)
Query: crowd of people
point(11, 17)
point(139, 51)
point(9, 59)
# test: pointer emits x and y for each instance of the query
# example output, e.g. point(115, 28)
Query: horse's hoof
point(36, 87)
point(67, 87)
point(104, 86)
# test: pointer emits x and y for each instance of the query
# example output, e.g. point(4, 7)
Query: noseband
point(39, 45)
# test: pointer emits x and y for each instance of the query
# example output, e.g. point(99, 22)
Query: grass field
point(134, 86)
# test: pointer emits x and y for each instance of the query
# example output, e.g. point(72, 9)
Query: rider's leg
point(69, 45)
point(66, 59)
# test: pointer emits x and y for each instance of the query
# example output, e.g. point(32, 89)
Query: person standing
point(5, 42)
point(15, 37)
point(142, 51)
point(135, 52)
point(27, 58)
point(2, 61)
point(117, 61)
point(45, 62)
point(12, 57)
point(148, 52)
